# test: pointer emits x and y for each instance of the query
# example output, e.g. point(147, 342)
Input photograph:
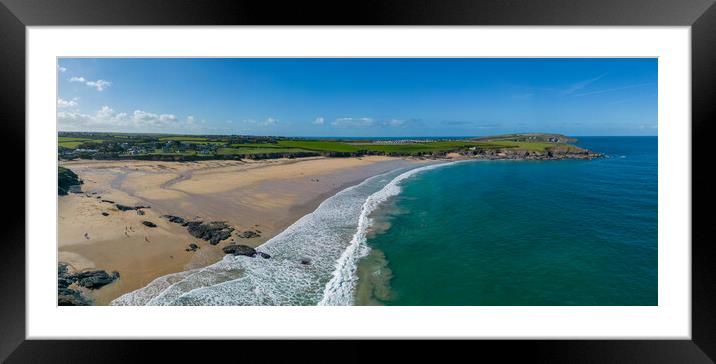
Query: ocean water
point(332, 239)
point(464, 233)
point(575, 232)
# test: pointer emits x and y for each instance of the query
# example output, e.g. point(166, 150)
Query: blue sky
point(359, 97)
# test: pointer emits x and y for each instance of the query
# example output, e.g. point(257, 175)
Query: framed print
point(482, 171)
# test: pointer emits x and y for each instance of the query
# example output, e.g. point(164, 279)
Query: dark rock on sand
point(108, 201)
point(213, 232)
point(70, 297)
point(240, 250)
point(263, 255)
point(95, 279)
point(105, 214)
point(192, 247)
point(140, 212)
point(90, 279)
point(127, 208)
point(175, 219)
point(65, 295)
point(149, 224)
point(67, 181)
point(248, 234)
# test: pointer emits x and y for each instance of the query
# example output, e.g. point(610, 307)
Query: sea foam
point(332, 238)
point(339, 290)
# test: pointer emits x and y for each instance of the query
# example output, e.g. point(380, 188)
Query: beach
point(263, 197)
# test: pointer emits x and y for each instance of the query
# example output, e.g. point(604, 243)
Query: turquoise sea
point(575, 232)
point(571, 232)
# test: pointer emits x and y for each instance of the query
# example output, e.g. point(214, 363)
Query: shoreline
point(258, 198)
point(264, 197)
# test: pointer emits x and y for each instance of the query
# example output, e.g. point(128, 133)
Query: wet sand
point(264, 196)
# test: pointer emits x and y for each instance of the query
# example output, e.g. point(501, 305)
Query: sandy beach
point(260, 196)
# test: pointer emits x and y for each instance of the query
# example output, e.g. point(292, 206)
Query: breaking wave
point(332, 238)
point(339, 290)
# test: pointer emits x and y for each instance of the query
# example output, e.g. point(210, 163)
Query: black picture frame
point(16, 15)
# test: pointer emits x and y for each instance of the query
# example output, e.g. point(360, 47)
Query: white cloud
point(269, 121)
point(61, 69)
point(107, 119)
point(319, 120)
point(353, 122)
point(63, 104)
point(100, 85)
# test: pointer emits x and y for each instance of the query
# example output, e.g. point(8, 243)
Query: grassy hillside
point(202, 147)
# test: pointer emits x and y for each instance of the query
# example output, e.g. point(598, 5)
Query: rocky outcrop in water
point(213, 232)
point(238, 249)
point(552, 153)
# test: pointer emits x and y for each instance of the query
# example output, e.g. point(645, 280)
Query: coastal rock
point(213, 232)
point(263, 255)
point(95, 279)
point(71, 297)
point(65, 295)
point(305, 261)
point(105, 214)
point(67, 181)
point(192, 247)
point(240, 250)
point(140, 212)
point(127, 208)
point(248, 234)
point(107, 201)
point(175, 219)
point(149, 224)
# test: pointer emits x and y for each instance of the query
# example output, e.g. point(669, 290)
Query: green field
point(320, 146)
point(275, 147)
point(191, 140)
point(72, 143)
point(184, 139)
point(254, 149)
point(412, 148)
point(528, 146)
